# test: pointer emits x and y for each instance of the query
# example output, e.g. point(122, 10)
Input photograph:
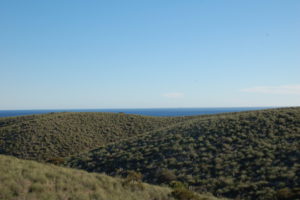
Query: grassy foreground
point(29, 180)
point(21, 179)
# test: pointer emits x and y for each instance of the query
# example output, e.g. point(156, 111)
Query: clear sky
point(149, 53)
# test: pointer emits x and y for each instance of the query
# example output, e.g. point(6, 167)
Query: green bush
point(184, 194)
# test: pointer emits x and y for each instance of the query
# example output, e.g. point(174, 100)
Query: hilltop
point(20, 179)
point(57, 135)
point(248, 155)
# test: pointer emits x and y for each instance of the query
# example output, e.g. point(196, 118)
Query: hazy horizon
point(116, 108)
point(137, 111)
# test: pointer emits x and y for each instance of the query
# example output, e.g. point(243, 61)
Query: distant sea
point(138, 111)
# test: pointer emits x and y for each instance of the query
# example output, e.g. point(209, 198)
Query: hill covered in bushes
point(247, 155)
point(56, 135)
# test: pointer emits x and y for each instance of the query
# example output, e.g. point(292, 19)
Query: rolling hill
point(23, 179)
point(247, 155)
point(56, 135)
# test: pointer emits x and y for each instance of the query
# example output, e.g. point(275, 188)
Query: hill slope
point(43, 137)
point(20, 179)
point(247, 155)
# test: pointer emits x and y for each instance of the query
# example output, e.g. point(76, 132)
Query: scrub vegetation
point(248, 155)
point(56, 135)
point(243, 155)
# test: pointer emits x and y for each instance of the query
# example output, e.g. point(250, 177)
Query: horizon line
point(145, 108)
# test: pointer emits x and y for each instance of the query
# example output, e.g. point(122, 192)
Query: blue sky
point(144, 54)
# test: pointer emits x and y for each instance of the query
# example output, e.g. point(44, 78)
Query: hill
point(56, 135)
point(23, 179)
point(247, 155)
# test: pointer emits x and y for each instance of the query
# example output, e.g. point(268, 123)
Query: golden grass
point(20, 179)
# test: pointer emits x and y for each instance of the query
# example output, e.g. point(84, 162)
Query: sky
point(62, 54)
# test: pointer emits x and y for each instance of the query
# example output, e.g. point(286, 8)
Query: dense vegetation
point(21, 180)
point(247, 155)
point(51, 136)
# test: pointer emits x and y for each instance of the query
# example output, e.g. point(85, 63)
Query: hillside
point(20, 179)
point(247, 155)
point(55, 135)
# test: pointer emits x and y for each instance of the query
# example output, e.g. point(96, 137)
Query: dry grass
point(21, 179)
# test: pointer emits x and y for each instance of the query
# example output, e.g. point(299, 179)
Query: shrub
point(133, 180)
point(288, 194)
point(165, 176)
point(56, 161)
point(184, 194)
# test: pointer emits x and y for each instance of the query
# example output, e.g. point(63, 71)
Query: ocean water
point(138, 111)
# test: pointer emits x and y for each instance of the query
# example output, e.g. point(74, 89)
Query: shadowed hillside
point(20, 179)
point(248, 155)
point(50, 136)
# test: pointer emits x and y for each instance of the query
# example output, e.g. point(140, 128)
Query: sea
point(137, 111)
